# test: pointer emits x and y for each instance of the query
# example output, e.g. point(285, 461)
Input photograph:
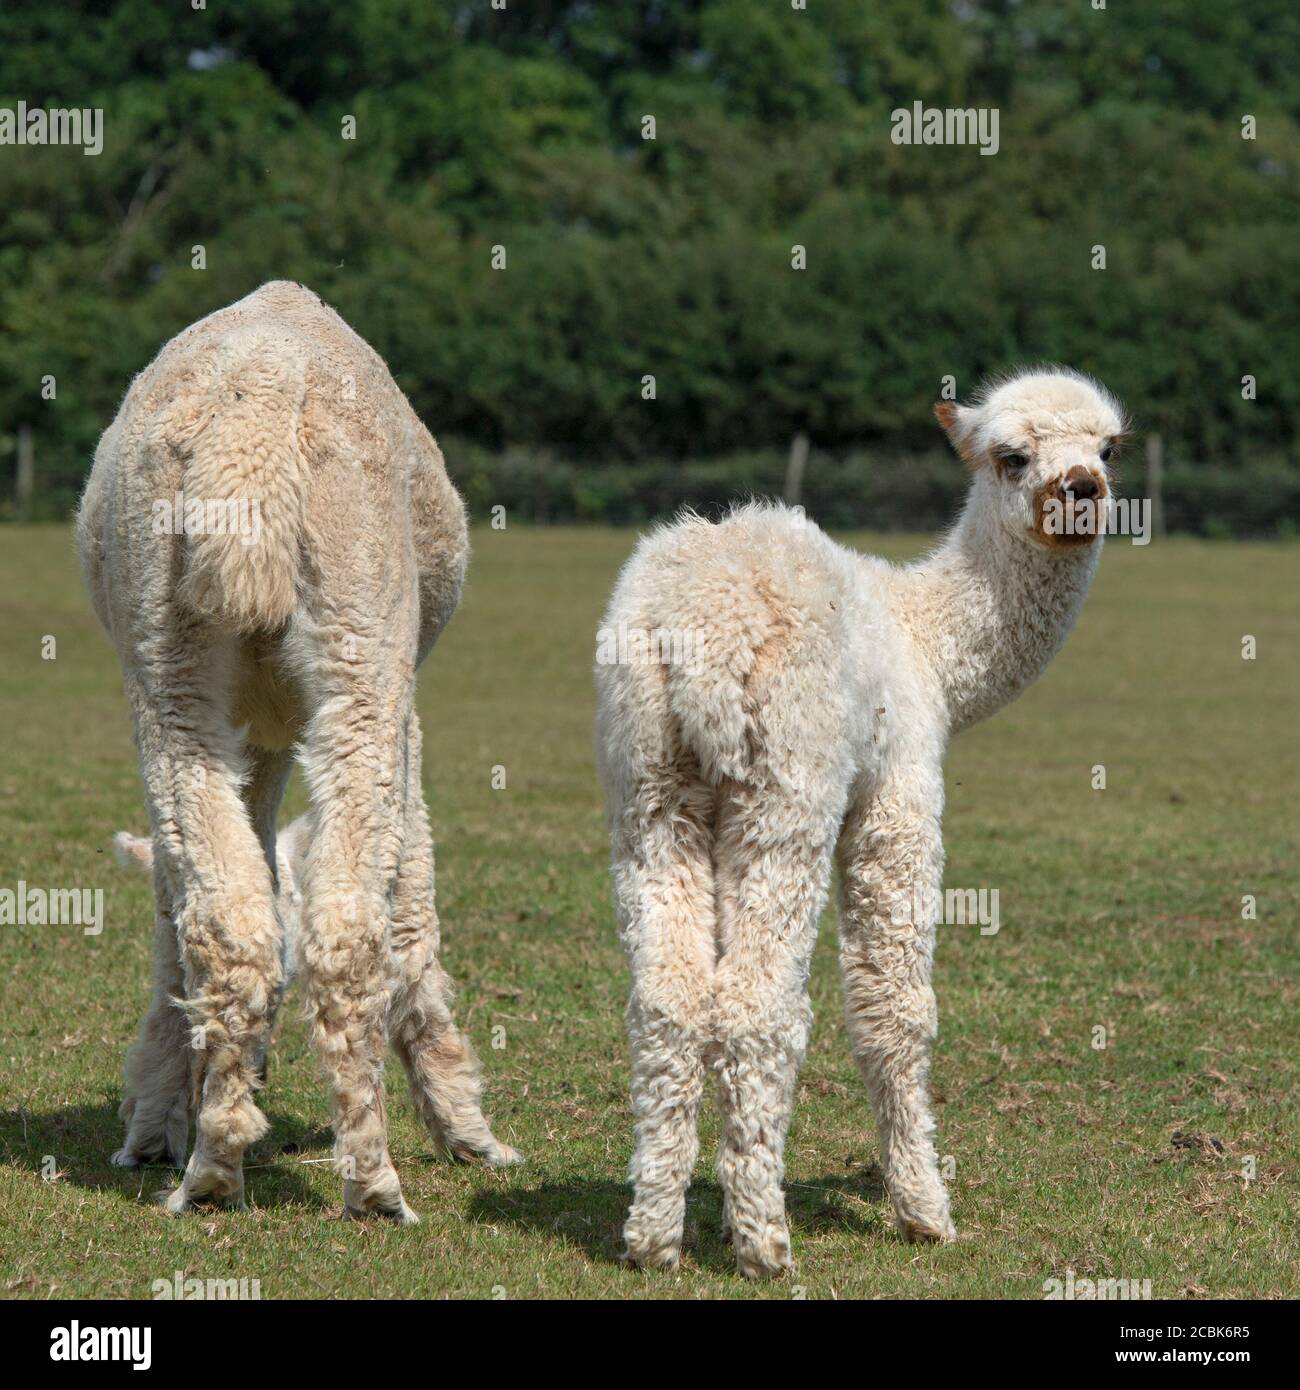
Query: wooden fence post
point(25, 474)
point(1156, 482)
point(795, 469)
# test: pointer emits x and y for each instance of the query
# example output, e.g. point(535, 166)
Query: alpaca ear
point(956, 421)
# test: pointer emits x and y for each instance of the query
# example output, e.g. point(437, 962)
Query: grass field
point(1120, 908)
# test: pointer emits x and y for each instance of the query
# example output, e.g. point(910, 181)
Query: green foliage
point(671, 257)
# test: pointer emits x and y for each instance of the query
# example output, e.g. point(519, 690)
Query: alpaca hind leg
point(440, 1063)
point(663, 886)
point(207, 851)
point(667, 1083)
point(770, 895)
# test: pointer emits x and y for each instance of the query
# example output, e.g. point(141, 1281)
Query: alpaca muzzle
point(1081, 485)
point(1073, 511)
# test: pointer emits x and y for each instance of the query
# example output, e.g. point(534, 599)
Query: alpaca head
point(1041, 445)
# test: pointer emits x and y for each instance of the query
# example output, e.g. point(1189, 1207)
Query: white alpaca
point(272, 543)
point(810, 722)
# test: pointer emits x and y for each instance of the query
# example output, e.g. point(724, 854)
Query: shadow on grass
point(591, 1214)
point(79, 1139)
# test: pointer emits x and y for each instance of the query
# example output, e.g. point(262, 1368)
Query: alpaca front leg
point(441, 1067)
point(156, 1094)
point(262, 795)
point(891, 866)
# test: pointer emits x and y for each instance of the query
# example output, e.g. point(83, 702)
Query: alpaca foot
point(206, 1184)
point(926, 1220)
point(148, 1153)
point(923, 1233)
point(661, 1257)
point(490, 1154)
point(179, 1201)
point(767, 1258)
point(383, 1199)
point(650, 1249)
point(499, 1156)
point(156, 1133)
point(399, 1215)
point(921, 1207)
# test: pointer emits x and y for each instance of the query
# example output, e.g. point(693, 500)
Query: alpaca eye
point(1107, 453)
point(1015, 460)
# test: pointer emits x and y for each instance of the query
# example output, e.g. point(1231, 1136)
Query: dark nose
point(1081, 485)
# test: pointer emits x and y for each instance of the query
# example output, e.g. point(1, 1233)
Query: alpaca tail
point(712, 714)
point(243, 487)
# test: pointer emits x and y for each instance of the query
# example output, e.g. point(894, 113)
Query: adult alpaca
point(811, 723)
point(321, 551)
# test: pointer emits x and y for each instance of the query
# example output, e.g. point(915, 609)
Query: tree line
point(598, 323)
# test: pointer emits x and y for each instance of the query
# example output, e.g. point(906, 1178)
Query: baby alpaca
point(768, 701)
point(271, 541)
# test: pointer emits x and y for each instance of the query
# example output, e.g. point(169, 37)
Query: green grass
point(1119, 908)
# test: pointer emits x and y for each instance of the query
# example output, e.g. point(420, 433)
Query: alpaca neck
point(988, 611)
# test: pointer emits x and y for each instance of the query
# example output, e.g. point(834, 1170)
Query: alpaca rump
point(811, 728)
point(241, 654)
